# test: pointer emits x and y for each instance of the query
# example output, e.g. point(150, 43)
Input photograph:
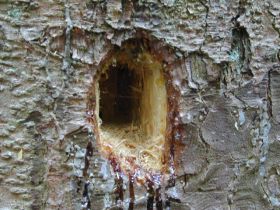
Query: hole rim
point(174, 127)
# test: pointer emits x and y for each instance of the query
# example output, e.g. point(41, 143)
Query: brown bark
point(221, 61)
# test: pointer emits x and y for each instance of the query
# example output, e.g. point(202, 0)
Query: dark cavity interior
point(120, 92)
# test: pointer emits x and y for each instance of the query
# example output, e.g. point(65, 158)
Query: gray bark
point(225, 56)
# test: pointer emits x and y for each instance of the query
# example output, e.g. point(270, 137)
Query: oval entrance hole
point(132, 110)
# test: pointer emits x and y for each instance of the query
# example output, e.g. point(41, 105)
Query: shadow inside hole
point(120, 95)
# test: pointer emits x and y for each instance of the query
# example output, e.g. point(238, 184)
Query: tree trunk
point(221, 138)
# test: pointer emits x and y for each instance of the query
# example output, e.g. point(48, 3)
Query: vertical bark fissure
point(67, 48)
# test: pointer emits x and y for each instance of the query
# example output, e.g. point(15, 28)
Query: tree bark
point(223, 58)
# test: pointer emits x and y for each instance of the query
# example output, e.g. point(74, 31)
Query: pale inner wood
point(132, 114)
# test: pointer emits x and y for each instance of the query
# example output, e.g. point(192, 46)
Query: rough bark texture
point(226, 56)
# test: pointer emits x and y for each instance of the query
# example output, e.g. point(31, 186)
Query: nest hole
point(132, 111)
